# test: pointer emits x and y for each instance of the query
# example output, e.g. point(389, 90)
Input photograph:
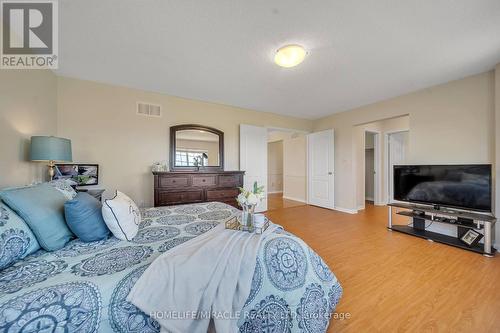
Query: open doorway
point(370, 166)
point(372, 156)
point(286, 170)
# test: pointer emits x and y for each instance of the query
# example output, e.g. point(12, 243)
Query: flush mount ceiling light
point(290, 56)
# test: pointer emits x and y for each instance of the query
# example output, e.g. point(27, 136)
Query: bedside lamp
point(50, 149)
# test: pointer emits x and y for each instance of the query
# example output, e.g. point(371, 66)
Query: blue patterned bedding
point(83, 286)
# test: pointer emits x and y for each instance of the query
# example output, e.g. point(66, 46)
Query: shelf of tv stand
point(431, 219)
point(440, 238)
point(470, 220)
point(445, 211)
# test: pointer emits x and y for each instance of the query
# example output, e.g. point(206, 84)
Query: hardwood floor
point(276, 201)
point(394, 282)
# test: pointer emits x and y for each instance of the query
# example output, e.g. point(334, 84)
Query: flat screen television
point(465, 187)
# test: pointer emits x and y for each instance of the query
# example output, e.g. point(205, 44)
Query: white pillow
point(122, 216)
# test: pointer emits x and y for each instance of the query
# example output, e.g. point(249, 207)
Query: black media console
point(464, 221)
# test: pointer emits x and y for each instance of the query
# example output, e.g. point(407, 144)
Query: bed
point(83, 286)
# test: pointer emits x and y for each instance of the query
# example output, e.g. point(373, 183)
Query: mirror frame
point(173, 136)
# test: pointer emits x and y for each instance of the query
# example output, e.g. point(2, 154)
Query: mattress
point(83, 286)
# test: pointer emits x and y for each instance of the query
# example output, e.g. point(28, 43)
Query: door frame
point(282, 129)
point(377, 162)
point(387, 172)
point(308, 168)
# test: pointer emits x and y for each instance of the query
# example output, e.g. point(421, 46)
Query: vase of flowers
point(248, 200)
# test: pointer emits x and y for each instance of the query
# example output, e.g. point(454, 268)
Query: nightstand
point(96, 193)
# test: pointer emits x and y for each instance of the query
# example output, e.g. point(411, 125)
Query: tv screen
point(457, 186)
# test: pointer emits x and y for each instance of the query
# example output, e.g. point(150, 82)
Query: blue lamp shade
point(50, 148)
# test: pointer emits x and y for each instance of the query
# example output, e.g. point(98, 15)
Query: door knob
point(330, 173)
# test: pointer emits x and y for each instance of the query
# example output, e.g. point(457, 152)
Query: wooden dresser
point(182, 187)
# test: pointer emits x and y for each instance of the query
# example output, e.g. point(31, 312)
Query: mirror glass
point(196, 148)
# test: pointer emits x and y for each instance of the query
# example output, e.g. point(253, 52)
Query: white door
point(397, 143)
point(253, 159)
point(320, 163)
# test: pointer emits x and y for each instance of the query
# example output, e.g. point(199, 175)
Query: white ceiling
point(360, 51)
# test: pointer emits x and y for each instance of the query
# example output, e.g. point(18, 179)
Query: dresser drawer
point(204, 181)
point(171, 198)
point(229, 181)
point(169, 182)
point(226, 194)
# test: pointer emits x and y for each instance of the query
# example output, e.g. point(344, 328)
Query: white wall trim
point(274, 192)
point(346, 210)
point(361, 207)
point(294, 199)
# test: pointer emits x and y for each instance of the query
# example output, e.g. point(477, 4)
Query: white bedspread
point(210, 274)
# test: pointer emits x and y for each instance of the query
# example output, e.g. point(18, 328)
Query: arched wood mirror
point(196, 148)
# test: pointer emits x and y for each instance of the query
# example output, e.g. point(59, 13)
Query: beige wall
point(27, 107)
point(450, 123)
point(275, 166)
point(294, 168)
point(102, 123)
point(382, 127)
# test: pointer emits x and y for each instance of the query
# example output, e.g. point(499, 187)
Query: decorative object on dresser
point(173, 188)
point(50, 149)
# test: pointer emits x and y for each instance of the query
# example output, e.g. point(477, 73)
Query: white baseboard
point(346, 210)
point(361, 207)
point(369, 199)
point(274, 192)
point(380, 203)
point(294, 199)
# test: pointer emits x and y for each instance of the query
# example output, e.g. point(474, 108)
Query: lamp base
point(52, 171)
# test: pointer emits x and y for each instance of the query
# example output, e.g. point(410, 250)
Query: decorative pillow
point(122, 216)
point(64, 186)
point(42, 208)
point(16, 239)
point(84, 218)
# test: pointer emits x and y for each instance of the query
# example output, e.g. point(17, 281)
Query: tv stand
point(463, 220)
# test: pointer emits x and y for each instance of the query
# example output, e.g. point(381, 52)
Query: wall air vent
point(148, 109)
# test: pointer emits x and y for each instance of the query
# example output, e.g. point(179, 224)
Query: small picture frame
point(78, 174)
point(471, 237)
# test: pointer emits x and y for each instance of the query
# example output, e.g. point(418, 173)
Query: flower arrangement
point(248, 200)
point(251, 198)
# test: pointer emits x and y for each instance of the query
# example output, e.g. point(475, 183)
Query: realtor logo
point(29, 35)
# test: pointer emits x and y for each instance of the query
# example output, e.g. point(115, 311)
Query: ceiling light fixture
point(290, 56)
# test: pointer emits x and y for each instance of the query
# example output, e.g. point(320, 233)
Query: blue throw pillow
point(84, 218)
point(42, 208)
point(16, 239)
